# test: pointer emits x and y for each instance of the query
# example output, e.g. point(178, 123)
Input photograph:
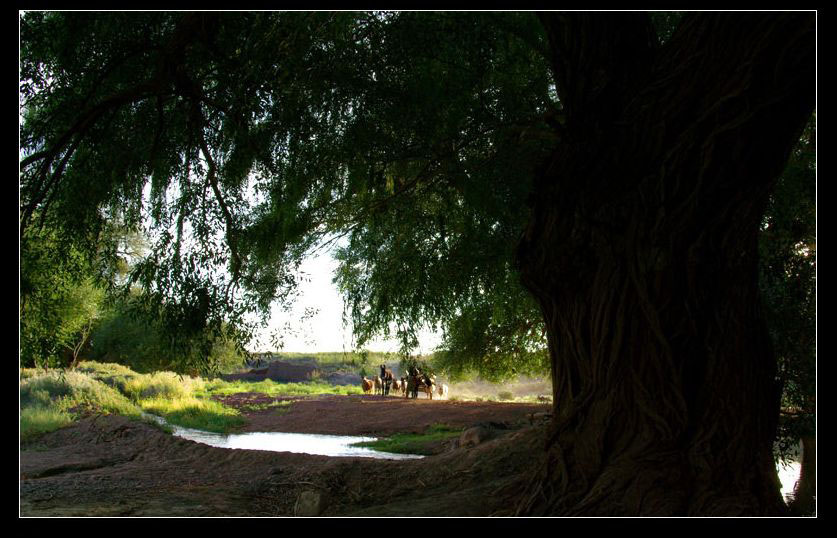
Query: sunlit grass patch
point(160, 385)
point(195, 413)
point(413, 443)
point(38, 420)
point(51, 400)
point(28, 373)
point(219, 387)
point(74, 392)
point(105, 369)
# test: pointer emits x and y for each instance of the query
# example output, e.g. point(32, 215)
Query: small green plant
point(505, 395)
point(413, 443)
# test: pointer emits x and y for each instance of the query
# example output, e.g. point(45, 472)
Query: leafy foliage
point(395, 131)
point(59, 300)
point(393, 134)
point(788, 268)
point(126, 338)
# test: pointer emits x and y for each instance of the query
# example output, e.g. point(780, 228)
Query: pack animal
point(419, 381)
point(386, 379)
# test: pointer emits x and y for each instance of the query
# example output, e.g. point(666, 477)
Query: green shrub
point(105, 369)
point(191, 412)
point(38, 420)
point(28, 373)
point(52, 400)
point(158, 385)
point(505, 395)
point(44, 389)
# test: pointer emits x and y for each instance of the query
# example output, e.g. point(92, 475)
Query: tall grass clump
point(159, 385)
point(195, 413)
point(114, 375)
point(27, 373)
point(38, 420)
point(76, 392)
point(219, 387)
point(180, 400)
point(52, 400)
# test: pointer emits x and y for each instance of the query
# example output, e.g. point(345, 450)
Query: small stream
point(306, 443)
point(340, 446)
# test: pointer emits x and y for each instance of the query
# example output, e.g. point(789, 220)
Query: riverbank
point(111, 465)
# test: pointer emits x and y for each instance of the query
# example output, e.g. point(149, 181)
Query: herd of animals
point(408, 386)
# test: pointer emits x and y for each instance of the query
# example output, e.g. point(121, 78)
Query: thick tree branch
point(597, 58)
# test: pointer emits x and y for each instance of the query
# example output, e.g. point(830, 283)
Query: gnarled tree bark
point(641, 251)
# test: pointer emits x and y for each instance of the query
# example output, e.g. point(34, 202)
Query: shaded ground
point(371, 415)
point(110, 466)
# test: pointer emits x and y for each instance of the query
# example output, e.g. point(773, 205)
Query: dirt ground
point(112, 466)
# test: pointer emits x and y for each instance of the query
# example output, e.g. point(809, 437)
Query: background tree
point(59, 301)
point(623, 176)
point(787, 250)
point(123, 337)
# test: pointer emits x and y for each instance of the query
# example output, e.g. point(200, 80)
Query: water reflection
point(321, 445)
point(788, 475)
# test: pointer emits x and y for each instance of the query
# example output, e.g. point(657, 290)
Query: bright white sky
point(322, 332)
point(325, 331)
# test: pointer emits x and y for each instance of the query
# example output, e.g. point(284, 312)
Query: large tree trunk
point(641, 252)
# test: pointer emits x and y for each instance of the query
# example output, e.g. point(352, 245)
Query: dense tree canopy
point(375, 126)
point(592, 183)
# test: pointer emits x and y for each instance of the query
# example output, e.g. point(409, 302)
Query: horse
point(386, 379)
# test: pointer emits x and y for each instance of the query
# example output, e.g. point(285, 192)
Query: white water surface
point(788, 475)
point(340, 446)
point(305, 443)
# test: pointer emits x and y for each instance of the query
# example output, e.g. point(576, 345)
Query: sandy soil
point(372, 415)
point(112, 466)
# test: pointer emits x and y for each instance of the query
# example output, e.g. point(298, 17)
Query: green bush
point(53, 399)
point(158, 385)
point(38, 420)
point(44, 389)
point(27, 373)
point(124, 339)
point(505, 395)
point(191, 412)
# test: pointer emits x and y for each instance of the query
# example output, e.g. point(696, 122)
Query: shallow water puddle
point(306, 443)
point(788, 475)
